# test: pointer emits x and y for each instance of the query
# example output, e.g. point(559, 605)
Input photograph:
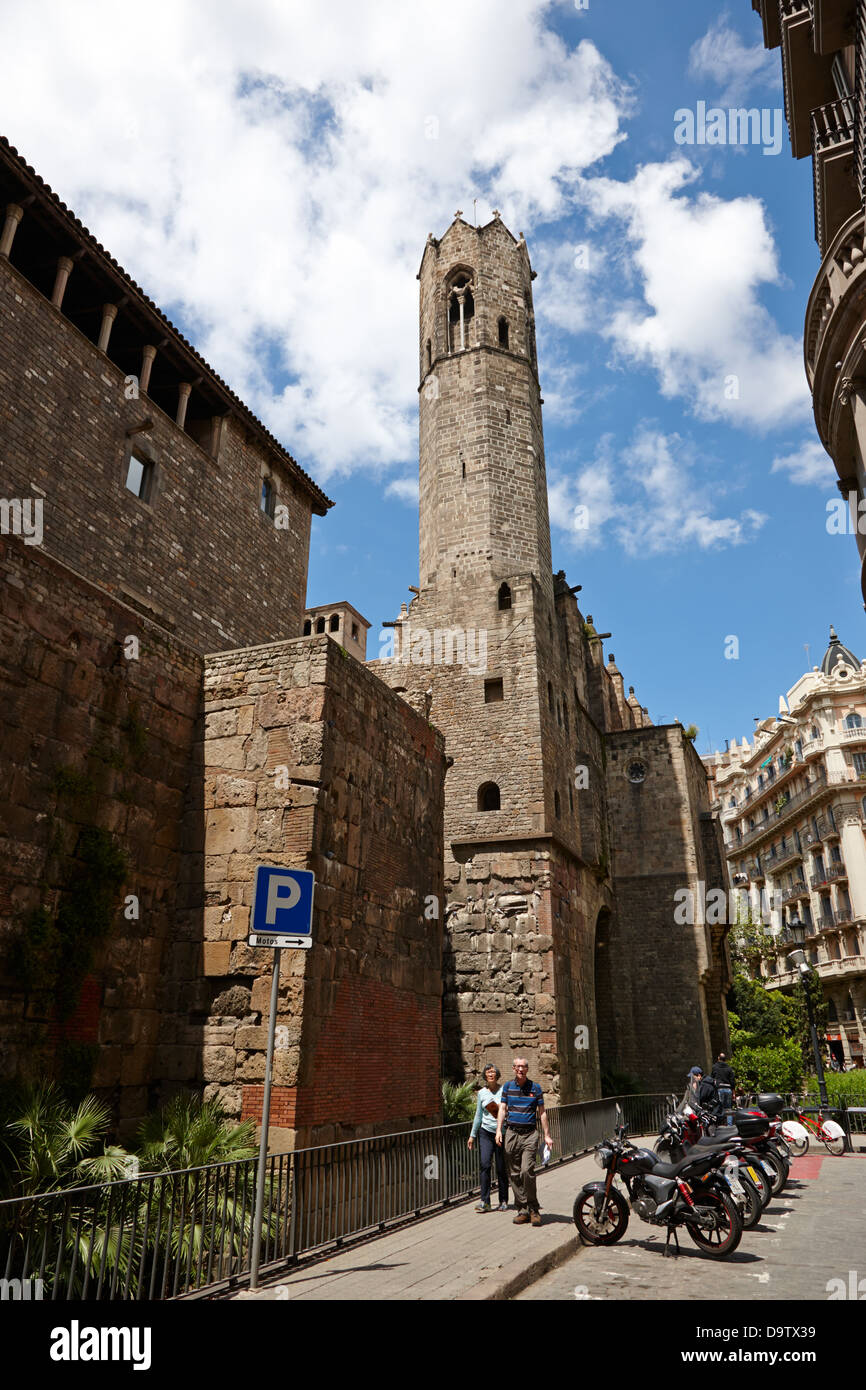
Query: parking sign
point(282, 907)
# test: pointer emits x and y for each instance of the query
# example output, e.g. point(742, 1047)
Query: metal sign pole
point(266, 1115)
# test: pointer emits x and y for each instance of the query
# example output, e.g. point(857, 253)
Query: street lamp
point(797, 959)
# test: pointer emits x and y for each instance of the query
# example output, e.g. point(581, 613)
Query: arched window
point(557, 810)
point(853, 721)
point(503, 332)
point(488, 797)
point(334, 623)
point(308, 627)
point(320, 625)
point(504, 596)
point(461, 312)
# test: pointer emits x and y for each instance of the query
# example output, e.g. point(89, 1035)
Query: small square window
point(138, 476)
point(493, 691)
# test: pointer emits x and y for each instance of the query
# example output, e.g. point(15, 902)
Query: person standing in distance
point(521, 1107)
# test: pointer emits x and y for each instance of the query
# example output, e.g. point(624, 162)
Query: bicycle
point(831, 1134)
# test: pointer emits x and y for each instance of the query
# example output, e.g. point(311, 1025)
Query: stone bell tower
point(483, 487)
point(494, 651)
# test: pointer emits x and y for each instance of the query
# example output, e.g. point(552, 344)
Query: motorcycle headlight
point(602, 1157)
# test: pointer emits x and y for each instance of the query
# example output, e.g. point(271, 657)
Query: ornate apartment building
point(793, 807)
point(823, 45)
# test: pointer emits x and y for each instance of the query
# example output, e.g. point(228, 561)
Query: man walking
point(522, 1105)
point(724, 1076)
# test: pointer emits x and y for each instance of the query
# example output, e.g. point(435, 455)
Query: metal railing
point(171, 1235)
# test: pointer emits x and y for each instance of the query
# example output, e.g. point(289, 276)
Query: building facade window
point(334, 623)
point(139, 477)
point(308, 627)
point(488, 797)
point(320, 625)
point(268, 498)
point(504, 596)
point(503, 333)
point(493, 691)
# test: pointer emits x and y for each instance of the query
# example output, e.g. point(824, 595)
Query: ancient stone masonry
point(309, 760)
point(495, 648)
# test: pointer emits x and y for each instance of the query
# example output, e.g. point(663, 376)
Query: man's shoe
point(535, 1218)
point(522, 1218)
point(503, 1206)
point(483, 1206)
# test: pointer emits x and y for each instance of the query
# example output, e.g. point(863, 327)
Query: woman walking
point(484, 1127)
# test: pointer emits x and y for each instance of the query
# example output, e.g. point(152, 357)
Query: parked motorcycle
point(693, 1193)
point(760, 1134)
point(749, 1185)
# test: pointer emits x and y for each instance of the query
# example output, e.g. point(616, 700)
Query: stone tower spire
point(483, 490)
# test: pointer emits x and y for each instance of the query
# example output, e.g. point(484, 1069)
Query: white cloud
point(809, 464)
point(266, 172)
point(404, 489)
point(647, 498)
point(722, 58)
point(701, 327)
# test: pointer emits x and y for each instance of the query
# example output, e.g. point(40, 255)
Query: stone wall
point(659, 972)
point(200, 556)
point(310, 761)
point(101, 809)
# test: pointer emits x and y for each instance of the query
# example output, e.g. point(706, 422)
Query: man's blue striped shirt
point(523, 1102)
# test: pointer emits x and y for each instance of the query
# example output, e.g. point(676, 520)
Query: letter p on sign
point(282, 912)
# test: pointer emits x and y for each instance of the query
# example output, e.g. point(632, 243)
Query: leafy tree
point(778, 1067)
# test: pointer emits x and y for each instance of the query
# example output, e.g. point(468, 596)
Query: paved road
point(815, 1231)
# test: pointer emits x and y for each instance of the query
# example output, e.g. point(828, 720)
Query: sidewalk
point(454, 1254)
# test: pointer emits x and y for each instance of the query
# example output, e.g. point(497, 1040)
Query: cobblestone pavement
point(814, 1232)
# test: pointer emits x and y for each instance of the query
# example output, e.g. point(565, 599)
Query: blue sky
point(270, 177)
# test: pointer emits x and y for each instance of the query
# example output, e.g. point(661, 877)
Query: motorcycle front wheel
point(601, 1231)
point(721, 1238)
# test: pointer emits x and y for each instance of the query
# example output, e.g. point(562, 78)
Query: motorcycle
point(759, 1131)
point(693, 1193)
point(749, 1185)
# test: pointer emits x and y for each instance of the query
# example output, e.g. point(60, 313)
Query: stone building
point(793, 807)
point(167, 726)
point(175, 714)
point(570, 821)
point(823, 51)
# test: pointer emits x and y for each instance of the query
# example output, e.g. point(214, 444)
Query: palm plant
point(190, 1132)
point(458, 1102)
point(52, 1140)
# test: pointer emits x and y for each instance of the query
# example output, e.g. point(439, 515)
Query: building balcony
point(844, 916)
point(833, 348)
point(792, 807)
point(854, 735)
point(778, 861)
point(813, 745)
point(832, 24)
point(830, 874)
point(826, 920)
point(843, 968)
point(806, 75)
point(827, 829)
point(798, 890)
point(833, 168)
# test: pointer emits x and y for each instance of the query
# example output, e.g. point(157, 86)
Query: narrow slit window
point(503, 333)
point(138, 477)
point(268, 499)
point(504, 596)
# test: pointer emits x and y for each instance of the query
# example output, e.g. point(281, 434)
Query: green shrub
point(774, 1067)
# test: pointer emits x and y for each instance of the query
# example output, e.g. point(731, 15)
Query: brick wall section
point(67, 693)
point(202, 558)
point(363, 809)
point(660, 972)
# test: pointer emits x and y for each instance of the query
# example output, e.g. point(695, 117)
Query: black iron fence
point(170, 1235)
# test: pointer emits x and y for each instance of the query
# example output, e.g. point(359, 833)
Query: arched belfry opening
point(461, 312)
point(604, 1010)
